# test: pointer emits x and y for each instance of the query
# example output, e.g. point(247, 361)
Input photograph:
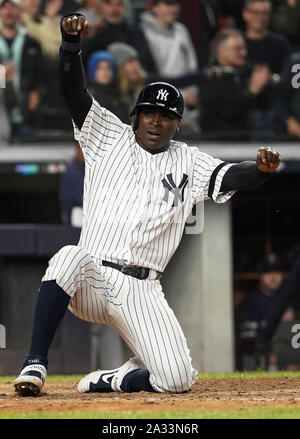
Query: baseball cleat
point(130, 365)
point(98, 381)
point(31, 380)
point(108, 380)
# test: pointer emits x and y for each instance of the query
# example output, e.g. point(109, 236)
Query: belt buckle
point(127, 270)
point(131, 271)
point(137, 272)
point(143, 273)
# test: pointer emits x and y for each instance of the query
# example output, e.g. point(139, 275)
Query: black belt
point(138, 272)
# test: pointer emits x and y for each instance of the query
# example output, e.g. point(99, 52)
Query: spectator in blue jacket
point(102, 78)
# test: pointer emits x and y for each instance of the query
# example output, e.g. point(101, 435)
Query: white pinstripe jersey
point(136, 203)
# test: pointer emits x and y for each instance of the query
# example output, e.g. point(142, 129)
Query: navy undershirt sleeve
point(72, 86)
point(243, 176)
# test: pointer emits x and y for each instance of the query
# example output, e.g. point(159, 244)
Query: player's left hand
point(267, 159)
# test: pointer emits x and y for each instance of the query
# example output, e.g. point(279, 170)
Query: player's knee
point(74, 252)
point(179, 386)
point(73, 258)
point(68, 267)
point(177, 380)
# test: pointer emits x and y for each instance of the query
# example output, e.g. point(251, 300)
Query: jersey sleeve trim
point(213, 178)
point(216, 182)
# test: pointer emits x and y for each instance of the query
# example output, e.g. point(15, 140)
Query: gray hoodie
point(172, 49)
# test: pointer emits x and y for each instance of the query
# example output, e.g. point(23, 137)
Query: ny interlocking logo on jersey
point(178, 192)
point(162, 94)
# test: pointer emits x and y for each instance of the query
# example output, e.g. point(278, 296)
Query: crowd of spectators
point(235, 62)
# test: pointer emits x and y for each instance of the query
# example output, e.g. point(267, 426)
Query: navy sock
point(35, 359)
point(51, 305)
point(136, 381)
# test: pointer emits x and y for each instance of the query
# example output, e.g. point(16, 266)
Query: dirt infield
point(210, 394)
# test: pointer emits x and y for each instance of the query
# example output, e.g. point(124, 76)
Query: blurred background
point(234, 287)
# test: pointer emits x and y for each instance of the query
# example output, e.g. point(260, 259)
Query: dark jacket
point(258, 306)
point(288, 97)
point(32, 64)
point(31, 71)
point(225, 100)
point(286, 21)
point(272, 50)
point(109, 97)
point(225, 103)
point(121, 32)
point(289, 296)
point(252, 318)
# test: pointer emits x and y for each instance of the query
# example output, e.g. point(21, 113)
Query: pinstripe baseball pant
point(136, 309)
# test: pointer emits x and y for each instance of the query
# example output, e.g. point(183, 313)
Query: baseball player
point(140, 187)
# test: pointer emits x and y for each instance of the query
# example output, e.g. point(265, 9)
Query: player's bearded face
point(156, 127)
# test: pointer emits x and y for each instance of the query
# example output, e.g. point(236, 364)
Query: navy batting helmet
point(160, 94)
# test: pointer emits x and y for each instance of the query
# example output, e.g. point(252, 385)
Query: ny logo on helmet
point(162, 94)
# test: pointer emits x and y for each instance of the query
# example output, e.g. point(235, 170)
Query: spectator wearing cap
point(259, 305)
point(103, 83)
point(131, 75)
point(22, 56)
point(285, 314)
point(112, 26)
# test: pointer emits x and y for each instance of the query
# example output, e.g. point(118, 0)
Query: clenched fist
point(267, 160)
point(74, 24)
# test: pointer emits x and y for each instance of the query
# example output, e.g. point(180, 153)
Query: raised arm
point(71, 74)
